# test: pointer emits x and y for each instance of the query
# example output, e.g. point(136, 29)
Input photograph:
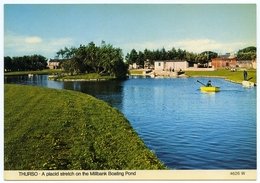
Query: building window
point(159, 64)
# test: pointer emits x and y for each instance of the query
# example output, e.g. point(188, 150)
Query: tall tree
point(133, 56)
point(140, 59)
point(163, 54)
point(149, 55)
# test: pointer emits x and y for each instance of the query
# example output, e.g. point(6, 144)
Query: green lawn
point(50, 129)
point(133, 72)
point(236, 76)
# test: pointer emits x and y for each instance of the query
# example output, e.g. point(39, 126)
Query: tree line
point(104, 59)
point(173, 54)
point(248, 53)
point(25, 63)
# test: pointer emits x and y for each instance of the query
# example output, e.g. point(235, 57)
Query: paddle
point(249, 78)
point(200, 83)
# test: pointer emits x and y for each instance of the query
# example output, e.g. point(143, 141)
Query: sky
point(195, 27)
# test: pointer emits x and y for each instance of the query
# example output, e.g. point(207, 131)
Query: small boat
point(180, 72)
point(248, 84)
point(210, 88)
point(30, 75)
point(152, 75)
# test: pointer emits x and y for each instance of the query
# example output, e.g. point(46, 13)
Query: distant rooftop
point(228, 55)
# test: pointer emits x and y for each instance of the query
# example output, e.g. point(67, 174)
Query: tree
point(157, 55)
point(8, 65)
point(133, 56)
point(248, 53)
point(181, 54)
point(140, 59)
point(148, 55)
point(127, 58)
point(61, 52)
point(163, 54)
point(92, 56)
point(25, 63)
point(71, 66)
point(120, 69)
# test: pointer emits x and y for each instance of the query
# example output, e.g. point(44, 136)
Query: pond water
point(186, 128)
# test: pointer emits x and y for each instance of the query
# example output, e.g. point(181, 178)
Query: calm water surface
point(186, 128)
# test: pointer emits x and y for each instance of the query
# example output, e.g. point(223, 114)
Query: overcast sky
point(46, 28)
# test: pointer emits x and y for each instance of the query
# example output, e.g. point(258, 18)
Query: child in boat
point(209, 83)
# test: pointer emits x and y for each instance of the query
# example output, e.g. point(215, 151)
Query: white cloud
point(195, 46)
point(200, 45)
point(33, 40)
point(16, 45)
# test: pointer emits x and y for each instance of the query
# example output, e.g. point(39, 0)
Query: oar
point(200, 82)
point(249, 78)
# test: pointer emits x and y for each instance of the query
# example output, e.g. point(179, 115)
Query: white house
point(167, 65)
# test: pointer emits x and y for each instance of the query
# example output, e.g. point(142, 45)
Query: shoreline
point(179, 76)
point(164, 75)
point(183, 75)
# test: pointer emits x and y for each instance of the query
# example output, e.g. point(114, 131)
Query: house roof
point(228, 55)
point(57, 60)
point(170, 61)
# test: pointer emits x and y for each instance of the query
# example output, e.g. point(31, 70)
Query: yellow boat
point(210, 88)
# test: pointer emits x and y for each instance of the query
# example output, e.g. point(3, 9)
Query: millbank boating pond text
point(186, 128)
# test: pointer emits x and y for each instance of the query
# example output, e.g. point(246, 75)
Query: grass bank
point(236, 76)
point(42, 72)
point(83, 77)
point(137, 72)
point(49, 129)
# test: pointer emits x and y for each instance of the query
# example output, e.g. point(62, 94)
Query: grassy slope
point(60, 129)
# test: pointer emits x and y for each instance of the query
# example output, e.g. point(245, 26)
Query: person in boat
point(209, 84)
point(245, 75)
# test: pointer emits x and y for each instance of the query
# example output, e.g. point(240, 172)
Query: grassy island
point(81, 77)
point(50, 129)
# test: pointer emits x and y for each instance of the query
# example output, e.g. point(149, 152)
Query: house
point(170, 65)
point(55, 64)
point(227, 60)
point(223, 62)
